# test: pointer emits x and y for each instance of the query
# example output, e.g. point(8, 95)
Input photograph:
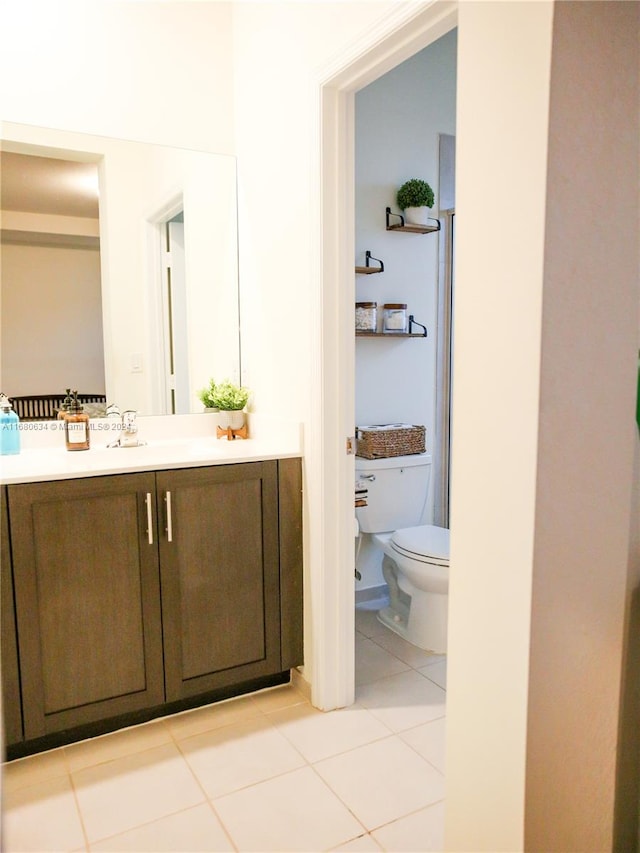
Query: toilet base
point(429, 639)
point(418, 616)
point(396, 621)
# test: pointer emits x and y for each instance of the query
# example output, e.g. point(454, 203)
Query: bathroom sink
point(195, 447)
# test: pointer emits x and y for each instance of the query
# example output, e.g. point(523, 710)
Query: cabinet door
point(219, 571)
point(11, 710)
point(87, 599)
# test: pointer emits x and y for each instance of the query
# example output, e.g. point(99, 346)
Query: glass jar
point(366, 316)
point(76, 426)
point(394, 318)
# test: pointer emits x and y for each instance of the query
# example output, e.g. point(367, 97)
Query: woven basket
point(394, 441)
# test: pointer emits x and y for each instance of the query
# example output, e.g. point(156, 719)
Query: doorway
point(400, 378)
point(174, 301)
point(406, 32)
point(168, 300)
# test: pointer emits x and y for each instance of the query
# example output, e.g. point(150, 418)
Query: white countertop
point(45, 457)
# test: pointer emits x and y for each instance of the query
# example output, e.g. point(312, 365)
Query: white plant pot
point(235, 420)
point(417, 215)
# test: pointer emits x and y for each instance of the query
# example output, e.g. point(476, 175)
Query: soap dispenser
point(66, 405)
point(9, 428)
point(76, 426)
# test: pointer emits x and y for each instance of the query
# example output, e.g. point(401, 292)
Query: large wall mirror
point(119, 269)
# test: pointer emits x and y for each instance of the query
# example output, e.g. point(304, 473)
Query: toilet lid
point(423, 542)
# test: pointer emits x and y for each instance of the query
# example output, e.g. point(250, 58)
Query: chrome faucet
point(129, 434)
point(129, 428)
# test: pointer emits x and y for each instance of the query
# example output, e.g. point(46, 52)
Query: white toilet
point(415, 564)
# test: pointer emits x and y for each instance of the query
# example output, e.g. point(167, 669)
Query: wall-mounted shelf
point(411, 229)
point(390, 335)
point(409, 334)
point(367, 269)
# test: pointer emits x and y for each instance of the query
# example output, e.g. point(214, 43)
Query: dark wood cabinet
point(9, 648)
point(219, 567)
point(87, 600)
point(135, 591)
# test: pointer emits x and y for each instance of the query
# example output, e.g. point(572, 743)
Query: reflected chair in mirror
point(45, 407)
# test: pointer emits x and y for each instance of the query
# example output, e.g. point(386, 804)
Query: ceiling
point(47, 185)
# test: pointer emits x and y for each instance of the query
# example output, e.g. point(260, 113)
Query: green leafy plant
point(415, 193)
point(206, 395)
point(229, 397)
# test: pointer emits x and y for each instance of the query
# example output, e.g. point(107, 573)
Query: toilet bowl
point(415, 555)
point(415, 566)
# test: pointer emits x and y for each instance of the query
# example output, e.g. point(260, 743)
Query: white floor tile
point(437, 672)
point(317, 734)
point(406, 651)
point(196, 829)
point(42, 817)
point(108, 747)
point(125, 793)
point(279, 697)
point(422, 832)
point(429, 741)
point(382, 781)
point(367, 623)
point(212, 717)
point(374, 662)
point(295, 812)
point(381, 760)
point(240, 755)
point(35, 768)
point(403, 701)
point(364, 844)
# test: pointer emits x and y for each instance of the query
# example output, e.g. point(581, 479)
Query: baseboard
point(300, 683)
point(371, 593)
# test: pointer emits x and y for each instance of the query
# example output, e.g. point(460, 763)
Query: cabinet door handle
point(147, 501)
point(167, 500)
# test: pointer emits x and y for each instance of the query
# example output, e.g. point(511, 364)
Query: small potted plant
point(230, 400)
point(415, 198)
point(205, 396)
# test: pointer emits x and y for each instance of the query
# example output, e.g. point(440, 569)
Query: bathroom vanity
point(129, 593)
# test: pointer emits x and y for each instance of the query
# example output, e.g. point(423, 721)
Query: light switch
point(136, 362)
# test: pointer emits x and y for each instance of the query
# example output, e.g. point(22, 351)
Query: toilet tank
point(395, 491)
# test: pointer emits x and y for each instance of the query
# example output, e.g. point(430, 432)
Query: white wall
point(154, 72)
point(543, 437)
point(397, 122)
point(277, 114)
point(51, 320)
point(587, 433)
point(504, 52)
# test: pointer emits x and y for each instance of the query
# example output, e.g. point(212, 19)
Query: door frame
point(393, 39)
point(155, 225)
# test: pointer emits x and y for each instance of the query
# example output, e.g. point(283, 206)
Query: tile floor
point(265, 772)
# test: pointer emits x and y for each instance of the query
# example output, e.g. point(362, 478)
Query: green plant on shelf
point(415, 193)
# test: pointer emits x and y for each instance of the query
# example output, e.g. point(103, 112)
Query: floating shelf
point(409, 334)
point(411, 229)
point(390, 335)
point(369, 270)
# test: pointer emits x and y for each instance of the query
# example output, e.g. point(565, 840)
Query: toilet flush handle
point(370, 477)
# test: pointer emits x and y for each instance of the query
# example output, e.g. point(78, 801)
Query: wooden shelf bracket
point(368, 269)
point(413, 229)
